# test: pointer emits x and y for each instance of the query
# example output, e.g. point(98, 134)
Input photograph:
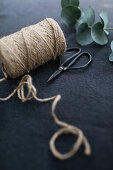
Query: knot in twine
point(27, 49)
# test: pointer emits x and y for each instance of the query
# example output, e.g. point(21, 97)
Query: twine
point(31, 47)
point(27, 49)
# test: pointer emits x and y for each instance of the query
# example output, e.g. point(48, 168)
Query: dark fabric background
point(87, 99)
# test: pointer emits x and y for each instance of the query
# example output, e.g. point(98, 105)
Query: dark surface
point(87, 99)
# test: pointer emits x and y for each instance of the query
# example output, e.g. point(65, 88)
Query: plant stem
point(77, 21)
point(89, 26)
point(108, 28)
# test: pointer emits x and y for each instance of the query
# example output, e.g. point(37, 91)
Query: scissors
point(66, 65)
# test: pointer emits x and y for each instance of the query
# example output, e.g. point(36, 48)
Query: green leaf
point(79, 21)
point(104, 17)
point(98, 34)
point(112, 46)
point(65, 3)
point(88, 17)
point(70, 15)
point(106, 32)
point(102, 22)
point(111, 57)
point(83, 35)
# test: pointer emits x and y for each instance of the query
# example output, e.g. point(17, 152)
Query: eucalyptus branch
point(87, 31)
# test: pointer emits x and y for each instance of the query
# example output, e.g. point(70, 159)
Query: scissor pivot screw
point(61, 68)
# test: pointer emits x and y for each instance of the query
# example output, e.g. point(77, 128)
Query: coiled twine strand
point(27, 49)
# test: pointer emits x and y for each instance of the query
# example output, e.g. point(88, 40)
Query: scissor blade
point(54, 75)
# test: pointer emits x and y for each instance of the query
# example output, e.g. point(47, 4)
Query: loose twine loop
point(66, 128)
point(57, 43)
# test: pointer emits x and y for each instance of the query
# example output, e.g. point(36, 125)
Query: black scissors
point(66, 65)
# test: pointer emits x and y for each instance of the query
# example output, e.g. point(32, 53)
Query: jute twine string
point(27, 49)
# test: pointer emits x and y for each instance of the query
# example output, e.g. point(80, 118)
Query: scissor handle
point(69, 50)
point(76, 58)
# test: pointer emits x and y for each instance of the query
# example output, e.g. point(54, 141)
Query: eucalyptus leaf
point(83, 35)
point(104, 17)
point(65, 3)
point(111, 57)
point(79, 21)
point(70, 15)
point(106, 32)
point(102, 22)
point(88, 17)
point(112, 46)
point(98, 34)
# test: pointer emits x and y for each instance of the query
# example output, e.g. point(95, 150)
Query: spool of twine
point(31, 47)
point(27, 49)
